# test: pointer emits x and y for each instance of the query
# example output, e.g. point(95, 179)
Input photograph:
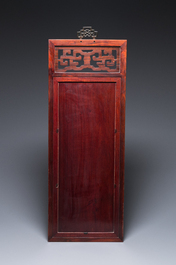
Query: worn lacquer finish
point(86, 142)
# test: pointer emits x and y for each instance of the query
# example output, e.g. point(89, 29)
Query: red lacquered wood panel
point(86, 140)
point(86, 157)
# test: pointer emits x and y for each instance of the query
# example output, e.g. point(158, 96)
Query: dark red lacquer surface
point(86, 140)
point(86, 156)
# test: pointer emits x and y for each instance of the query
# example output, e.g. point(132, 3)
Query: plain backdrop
point(150, 171)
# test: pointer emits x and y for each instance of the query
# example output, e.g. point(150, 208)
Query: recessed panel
point(86, 157)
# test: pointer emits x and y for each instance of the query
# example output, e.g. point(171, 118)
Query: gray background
point(150, 179)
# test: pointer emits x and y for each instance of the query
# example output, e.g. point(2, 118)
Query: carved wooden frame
point(56, 76)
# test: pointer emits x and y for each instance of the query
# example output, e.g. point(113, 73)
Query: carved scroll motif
point(87, 59)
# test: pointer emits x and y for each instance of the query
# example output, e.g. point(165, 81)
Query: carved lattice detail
point(87, 59)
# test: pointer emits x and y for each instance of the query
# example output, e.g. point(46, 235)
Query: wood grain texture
point(86, 150)
point(86, 156)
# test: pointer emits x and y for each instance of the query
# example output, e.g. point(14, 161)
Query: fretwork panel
point(87, 59)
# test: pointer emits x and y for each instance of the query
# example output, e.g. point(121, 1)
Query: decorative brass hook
point(87, 32)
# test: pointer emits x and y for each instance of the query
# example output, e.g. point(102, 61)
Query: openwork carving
point(87, 32)
point(87, 59)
